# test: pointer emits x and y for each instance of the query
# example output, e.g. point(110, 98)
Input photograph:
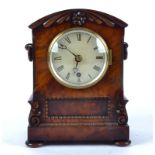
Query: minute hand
point(65, 47)
point(71, 52)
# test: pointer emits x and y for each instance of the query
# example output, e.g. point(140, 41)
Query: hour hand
point(75, 70)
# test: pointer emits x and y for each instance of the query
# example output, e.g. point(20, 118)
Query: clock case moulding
point(52, 118)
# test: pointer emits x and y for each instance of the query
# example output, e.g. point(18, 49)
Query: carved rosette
point(79, 18)
point(35, 113)
point(122, 117)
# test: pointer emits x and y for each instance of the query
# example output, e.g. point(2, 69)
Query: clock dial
point(78, 58)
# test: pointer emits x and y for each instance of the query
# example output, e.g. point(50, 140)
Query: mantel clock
point(78, 92)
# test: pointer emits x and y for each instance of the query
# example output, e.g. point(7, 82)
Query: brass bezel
point(108, 58)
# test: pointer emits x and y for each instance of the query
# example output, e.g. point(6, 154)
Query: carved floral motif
point(79, 18)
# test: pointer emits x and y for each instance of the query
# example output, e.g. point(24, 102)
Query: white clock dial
point(78, 58)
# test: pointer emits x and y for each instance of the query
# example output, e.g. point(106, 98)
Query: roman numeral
point(90, 76)
point(68, 76)
point(79, 36)
point(99, 57)
point(97, 68)
point(62, 46)
point(68, 40)
point(88, 39)
point(95, 48)
point(60, 68)
point(79, 79)
point(57, 58)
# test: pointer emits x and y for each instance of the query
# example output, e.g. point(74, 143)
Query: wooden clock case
point(63, 115)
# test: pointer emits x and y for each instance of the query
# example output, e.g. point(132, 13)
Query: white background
point(16, 73)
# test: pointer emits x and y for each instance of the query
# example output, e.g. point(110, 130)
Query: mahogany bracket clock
point(78, 92)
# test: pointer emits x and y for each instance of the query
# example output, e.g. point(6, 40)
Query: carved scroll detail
point(35, 113)
point(122, 117)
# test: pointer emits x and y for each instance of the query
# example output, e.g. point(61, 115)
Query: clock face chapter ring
point(78, 58)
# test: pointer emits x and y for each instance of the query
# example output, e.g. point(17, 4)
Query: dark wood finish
point(123, 143)
point(29, 48)
point(84, 107)
point(63, 115)
point(94, 134)
point(125, 51)
point(34, 144)
point(78, 17)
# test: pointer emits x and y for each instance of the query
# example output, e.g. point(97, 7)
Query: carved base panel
point(112, 134)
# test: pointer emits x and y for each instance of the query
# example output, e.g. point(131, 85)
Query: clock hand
point(75, 69)
point(78, 58)
point(71, 52)
point(65, 47)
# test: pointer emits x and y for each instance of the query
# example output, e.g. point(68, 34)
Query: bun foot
point(34, 144)
point(122, 143)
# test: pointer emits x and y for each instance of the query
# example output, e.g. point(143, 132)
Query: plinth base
point(45, 135)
